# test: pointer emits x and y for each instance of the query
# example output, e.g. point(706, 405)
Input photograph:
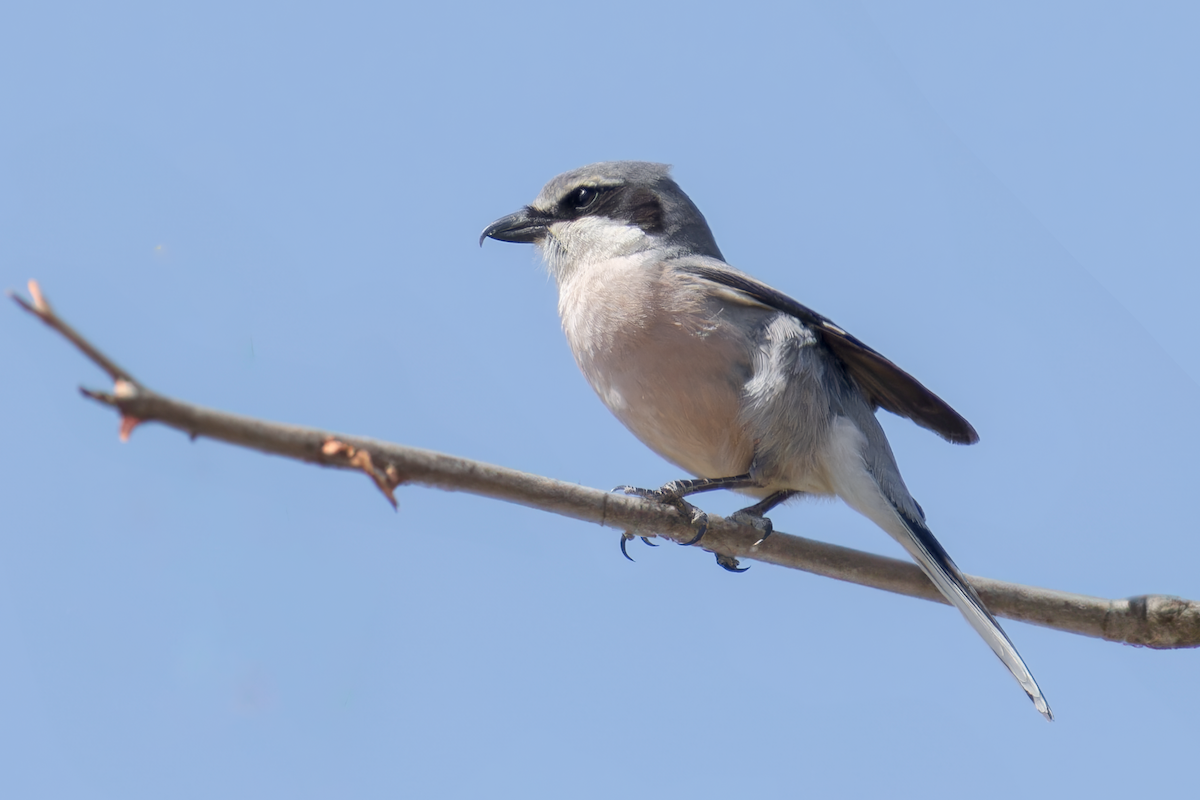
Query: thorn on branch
point(128, 423)
point(100, 397)
point(386, 479)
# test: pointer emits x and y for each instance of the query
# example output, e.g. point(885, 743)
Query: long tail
point(941, 569)
point(865, 476)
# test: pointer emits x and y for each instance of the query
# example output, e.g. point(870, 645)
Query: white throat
point(578, 244)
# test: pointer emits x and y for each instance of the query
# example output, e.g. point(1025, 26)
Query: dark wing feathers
point(881, 381)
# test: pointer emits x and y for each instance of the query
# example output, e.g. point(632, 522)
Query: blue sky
point(274, 208)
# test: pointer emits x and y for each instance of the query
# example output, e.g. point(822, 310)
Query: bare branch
point(1156, 621)
point(41, 309)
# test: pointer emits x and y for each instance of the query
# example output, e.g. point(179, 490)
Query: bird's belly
point(680, 392)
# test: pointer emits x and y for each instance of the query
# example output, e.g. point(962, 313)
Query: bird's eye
point(583, 197)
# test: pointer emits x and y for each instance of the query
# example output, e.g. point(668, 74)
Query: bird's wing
point(883, 383)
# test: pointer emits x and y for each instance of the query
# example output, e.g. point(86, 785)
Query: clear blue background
point(273, 209)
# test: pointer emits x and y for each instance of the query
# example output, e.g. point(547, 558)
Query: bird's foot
point(757, 521)
point(729, 563)
point(668, 495)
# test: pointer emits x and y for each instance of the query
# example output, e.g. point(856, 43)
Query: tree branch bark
point(1155, 621)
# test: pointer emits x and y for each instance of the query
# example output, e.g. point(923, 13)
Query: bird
point(728, 378)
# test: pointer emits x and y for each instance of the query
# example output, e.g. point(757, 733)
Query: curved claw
point(729, 564)
point(702, 520)
point(770, 528)
point(647, 541)
point(625, 539)
point(769, 531)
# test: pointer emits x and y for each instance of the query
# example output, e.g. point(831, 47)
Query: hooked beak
point(526, 226)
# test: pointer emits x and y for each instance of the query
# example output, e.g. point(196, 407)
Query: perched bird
point(731, 380)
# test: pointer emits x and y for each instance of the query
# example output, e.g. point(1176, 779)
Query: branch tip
point(39, 301)
point(100, 397)
point(21, 301)
point(41, 309)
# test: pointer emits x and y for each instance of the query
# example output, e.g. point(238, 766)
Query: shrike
point(727, 378)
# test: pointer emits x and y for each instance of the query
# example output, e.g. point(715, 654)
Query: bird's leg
point(755, 515)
